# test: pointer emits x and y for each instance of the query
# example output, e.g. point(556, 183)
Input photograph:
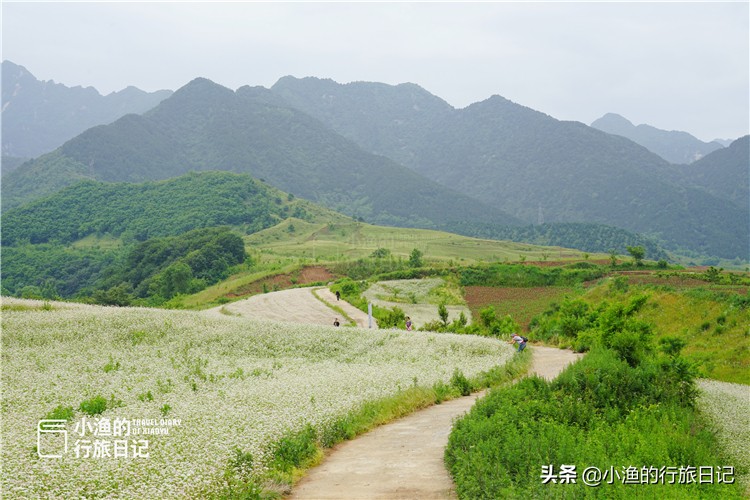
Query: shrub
point(460, 382)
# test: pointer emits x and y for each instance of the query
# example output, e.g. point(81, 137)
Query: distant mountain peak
point(39, 116)
point(674, 146)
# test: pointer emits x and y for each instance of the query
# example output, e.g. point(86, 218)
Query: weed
point(164, 386)
point(165, 410)
point(146, 396)
point(460, 382)
point(61, 413)
point(93, 406)
point(137, 336)
point(112, 365)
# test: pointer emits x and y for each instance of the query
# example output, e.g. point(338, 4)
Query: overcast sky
point(676, 66)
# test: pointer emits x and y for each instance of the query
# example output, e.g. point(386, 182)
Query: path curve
point(298, 305)
point(404, 459)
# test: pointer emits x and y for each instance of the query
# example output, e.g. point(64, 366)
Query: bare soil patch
point(307, 275)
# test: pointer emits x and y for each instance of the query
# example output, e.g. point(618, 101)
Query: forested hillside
point(587, 237)
point(725, 173)
point(123, 242)
point(143, 211)
point(205, 126)
point(523, 161)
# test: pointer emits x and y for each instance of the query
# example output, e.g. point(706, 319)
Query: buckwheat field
point(192, 390)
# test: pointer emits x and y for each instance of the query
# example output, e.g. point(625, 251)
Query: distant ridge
point(39, 116)
point(519, 160)
point(204, 126)
point(673, 146)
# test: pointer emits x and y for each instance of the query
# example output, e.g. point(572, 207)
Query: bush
point(600, 412)
point(460, 382)
point(293, 450)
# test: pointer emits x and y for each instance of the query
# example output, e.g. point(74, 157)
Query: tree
point(415, 259)
point(443, 313)
point(637, 253)
point(613, 257)
point(380, 253)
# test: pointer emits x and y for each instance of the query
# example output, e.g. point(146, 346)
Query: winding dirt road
point(404, 459)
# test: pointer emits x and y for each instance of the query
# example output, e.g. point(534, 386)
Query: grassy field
point(713, 320)
point(233, 394)
point(419, 299)
point(354, 240)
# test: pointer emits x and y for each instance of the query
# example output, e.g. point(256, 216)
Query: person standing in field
point(521, 341)
point(409, 324)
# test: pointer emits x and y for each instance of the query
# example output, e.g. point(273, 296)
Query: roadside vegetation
point(627, 409)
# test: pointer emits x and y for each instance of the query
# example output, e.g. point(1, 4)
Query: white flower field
point(223, 383)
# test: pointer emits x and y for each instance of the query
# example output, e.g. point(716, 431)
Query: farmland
point(236, 386)
point(522, 304)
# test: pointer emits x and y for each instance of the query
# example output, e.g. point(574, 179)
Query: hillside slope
point(525, 162)
point(151, 209)
point(725, 173)
point(205, 126)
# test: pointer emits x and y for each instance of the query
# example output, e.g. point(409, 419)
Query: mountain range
point(674, 146)
point(39, 116)
point(532, 165)
point(204, 126)
point(399, 155)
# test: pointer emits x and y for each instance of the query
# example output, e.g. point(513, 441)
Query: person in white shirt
point(514, 337)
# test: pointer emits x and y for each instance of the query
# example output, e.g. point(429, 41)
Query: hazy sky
point(676, 66)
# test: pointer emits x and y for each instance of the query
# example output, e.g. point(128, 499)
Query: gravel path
point(404, 459)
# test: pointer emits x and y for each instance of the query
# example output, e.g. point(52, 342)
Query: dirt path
point(298, 305)
point(404, 459)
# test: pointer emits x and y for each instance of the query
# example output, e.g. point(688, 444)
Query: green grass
point(344, 240)
point(600, 413)
point(714, 326)
point(106, 242)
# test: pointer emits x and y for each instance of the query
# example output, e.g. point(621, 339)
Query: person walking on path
point(521, 341)
point(409, 324)
point(336, 322)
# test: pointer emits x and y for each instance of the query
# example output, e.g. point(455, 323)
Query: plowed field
point(521, 303)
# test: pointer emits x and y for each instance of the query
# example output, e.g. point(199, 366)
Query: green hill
point(724, 173)
point(204, 126)
point(119, 241)
point(523, 162)
point(151, 209)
